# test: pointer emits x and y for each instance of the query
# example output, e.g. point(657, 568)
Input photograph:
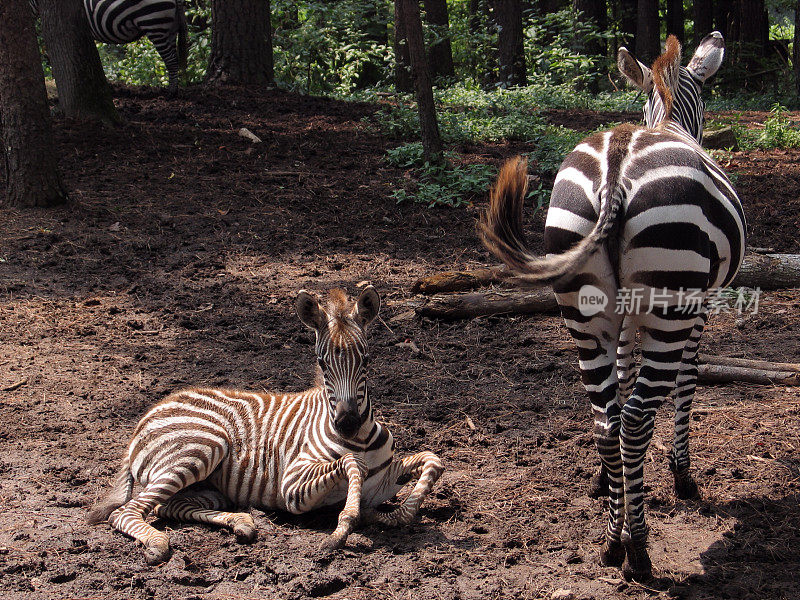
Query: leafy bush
point(778, 132)
point(439, 185)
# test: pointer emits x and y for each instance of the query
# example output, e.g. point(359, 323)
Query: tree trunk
point(429, 127)
point(375, 30)
point(403, 80)
point(440, 53)
point(796, 46)
point(510, 50)
point(83, 92)
point(703, 14)
point(722, 9)
point(241, 43)
point(596, 11)
point(675, 20)
point(627, 22)
point(31, 168)
point(648, 42)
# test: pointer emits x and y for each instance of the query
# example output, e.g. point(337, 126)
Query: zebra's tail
point(120, 493)
point(183, 36)
point(500, 229)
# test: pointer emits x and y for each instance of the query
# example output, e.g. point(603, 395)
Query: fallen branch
point(711, 373)
point(451, 307)
point(769, 271)
point(713, 359)
point(765, 271)
point(459, 281)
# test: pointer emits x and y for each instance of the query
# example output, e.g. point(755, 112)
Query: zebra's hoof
point(156, 554)
point(686, 487)
point(245, 530)
point(331, 545)
point(612, 554)
point(637, 566)
point(598, 485)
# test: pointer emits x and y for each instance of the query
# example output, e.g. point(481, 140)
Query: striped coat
point(640, 219)
point(199, 452)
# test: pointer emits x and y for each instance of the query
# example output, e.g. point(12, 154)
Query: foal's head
point(341, 347)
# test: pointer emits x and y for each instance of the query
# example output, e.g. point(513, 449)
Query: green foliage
point(323, 47)
point(556, 44)
point(778, 132)
point(439, 185)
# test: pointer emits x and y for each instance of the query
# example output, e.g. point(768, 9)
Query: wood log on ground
point(713, 359)
point(459, 281)
point(711, 373)
point(765, 271)
point(451, 307)
point(769, 271)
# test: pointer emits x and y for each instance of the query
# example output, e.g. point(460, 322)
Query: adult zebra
point(290, 452)
point(640, 218)
point(125, 21)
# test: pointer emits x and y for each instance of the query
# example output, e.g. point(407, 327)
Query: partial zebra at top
point(124, 21)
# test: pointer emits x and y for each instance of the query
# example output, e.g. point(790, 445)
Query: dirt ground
point(177, 262)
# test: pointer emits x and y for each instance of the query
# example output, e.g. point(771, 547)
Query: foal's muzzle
point(346, 420)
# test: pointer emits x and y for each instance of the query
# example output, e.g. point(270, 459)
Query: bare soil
point(177, 262)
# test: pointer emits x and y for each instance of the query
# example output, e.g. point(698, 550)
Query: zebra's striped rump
point(640, 219)
point(200, 452)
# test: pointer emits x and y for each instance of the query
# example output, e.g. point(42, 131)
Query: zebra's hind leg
point(207, 506)
point(685, 485)
point(664, 338)
point(129, 519)
point(425, 465)
point(626, 376)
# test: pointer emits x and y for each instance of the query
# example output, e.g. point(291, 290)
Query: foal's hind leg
point(207, 506)
point(429, 468)
point(129, 518)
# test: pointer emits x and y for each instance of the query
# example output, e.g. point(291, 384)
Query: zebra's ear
point(708, 56)
point(367, 306)
point(309, 310)
point(637, 73)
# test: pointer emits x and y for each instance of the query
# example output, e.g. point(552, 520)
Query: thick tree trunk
point(412, 24)
point(796, 47)
point(241, 43)
point(722, 10)
point(703, 14)
point(31, 169)
point(440, 53)
point(510, 49)
point(376, 30)
point(83, 92)
point(627, 22)
point(596, 11)
point(648, 42)
point(675, 20)
point(452, 307)
point(403, 80)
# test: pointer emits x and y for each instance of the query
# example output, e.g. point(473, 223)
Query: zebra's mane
point(666, 71)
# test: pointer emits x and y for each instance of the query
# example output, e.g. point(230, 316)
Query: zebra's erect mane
point(666, 71)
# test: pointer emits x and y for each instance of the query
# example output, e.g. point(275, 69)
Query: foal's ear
point(367, 306)
point(636, 72)
point(708, 56)
point(309, 310)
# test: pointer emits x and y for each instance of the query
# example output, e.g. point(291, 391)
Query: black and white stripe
point(201, 451)
point(640, 211)
point(125, 21)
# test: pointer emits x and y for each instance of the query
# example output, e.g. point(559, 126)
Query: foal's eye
point(321, 362)
point(366, 359)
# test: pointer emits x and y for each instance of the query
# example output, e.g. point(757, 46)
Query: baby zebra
point(199, 452)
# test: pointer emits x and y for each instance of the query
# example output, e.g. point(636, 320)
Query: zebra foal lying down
point(199, 452)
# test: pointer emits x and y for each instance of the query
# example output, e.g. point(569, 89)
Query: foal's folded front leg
point(308, 483)
point(429, 468)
